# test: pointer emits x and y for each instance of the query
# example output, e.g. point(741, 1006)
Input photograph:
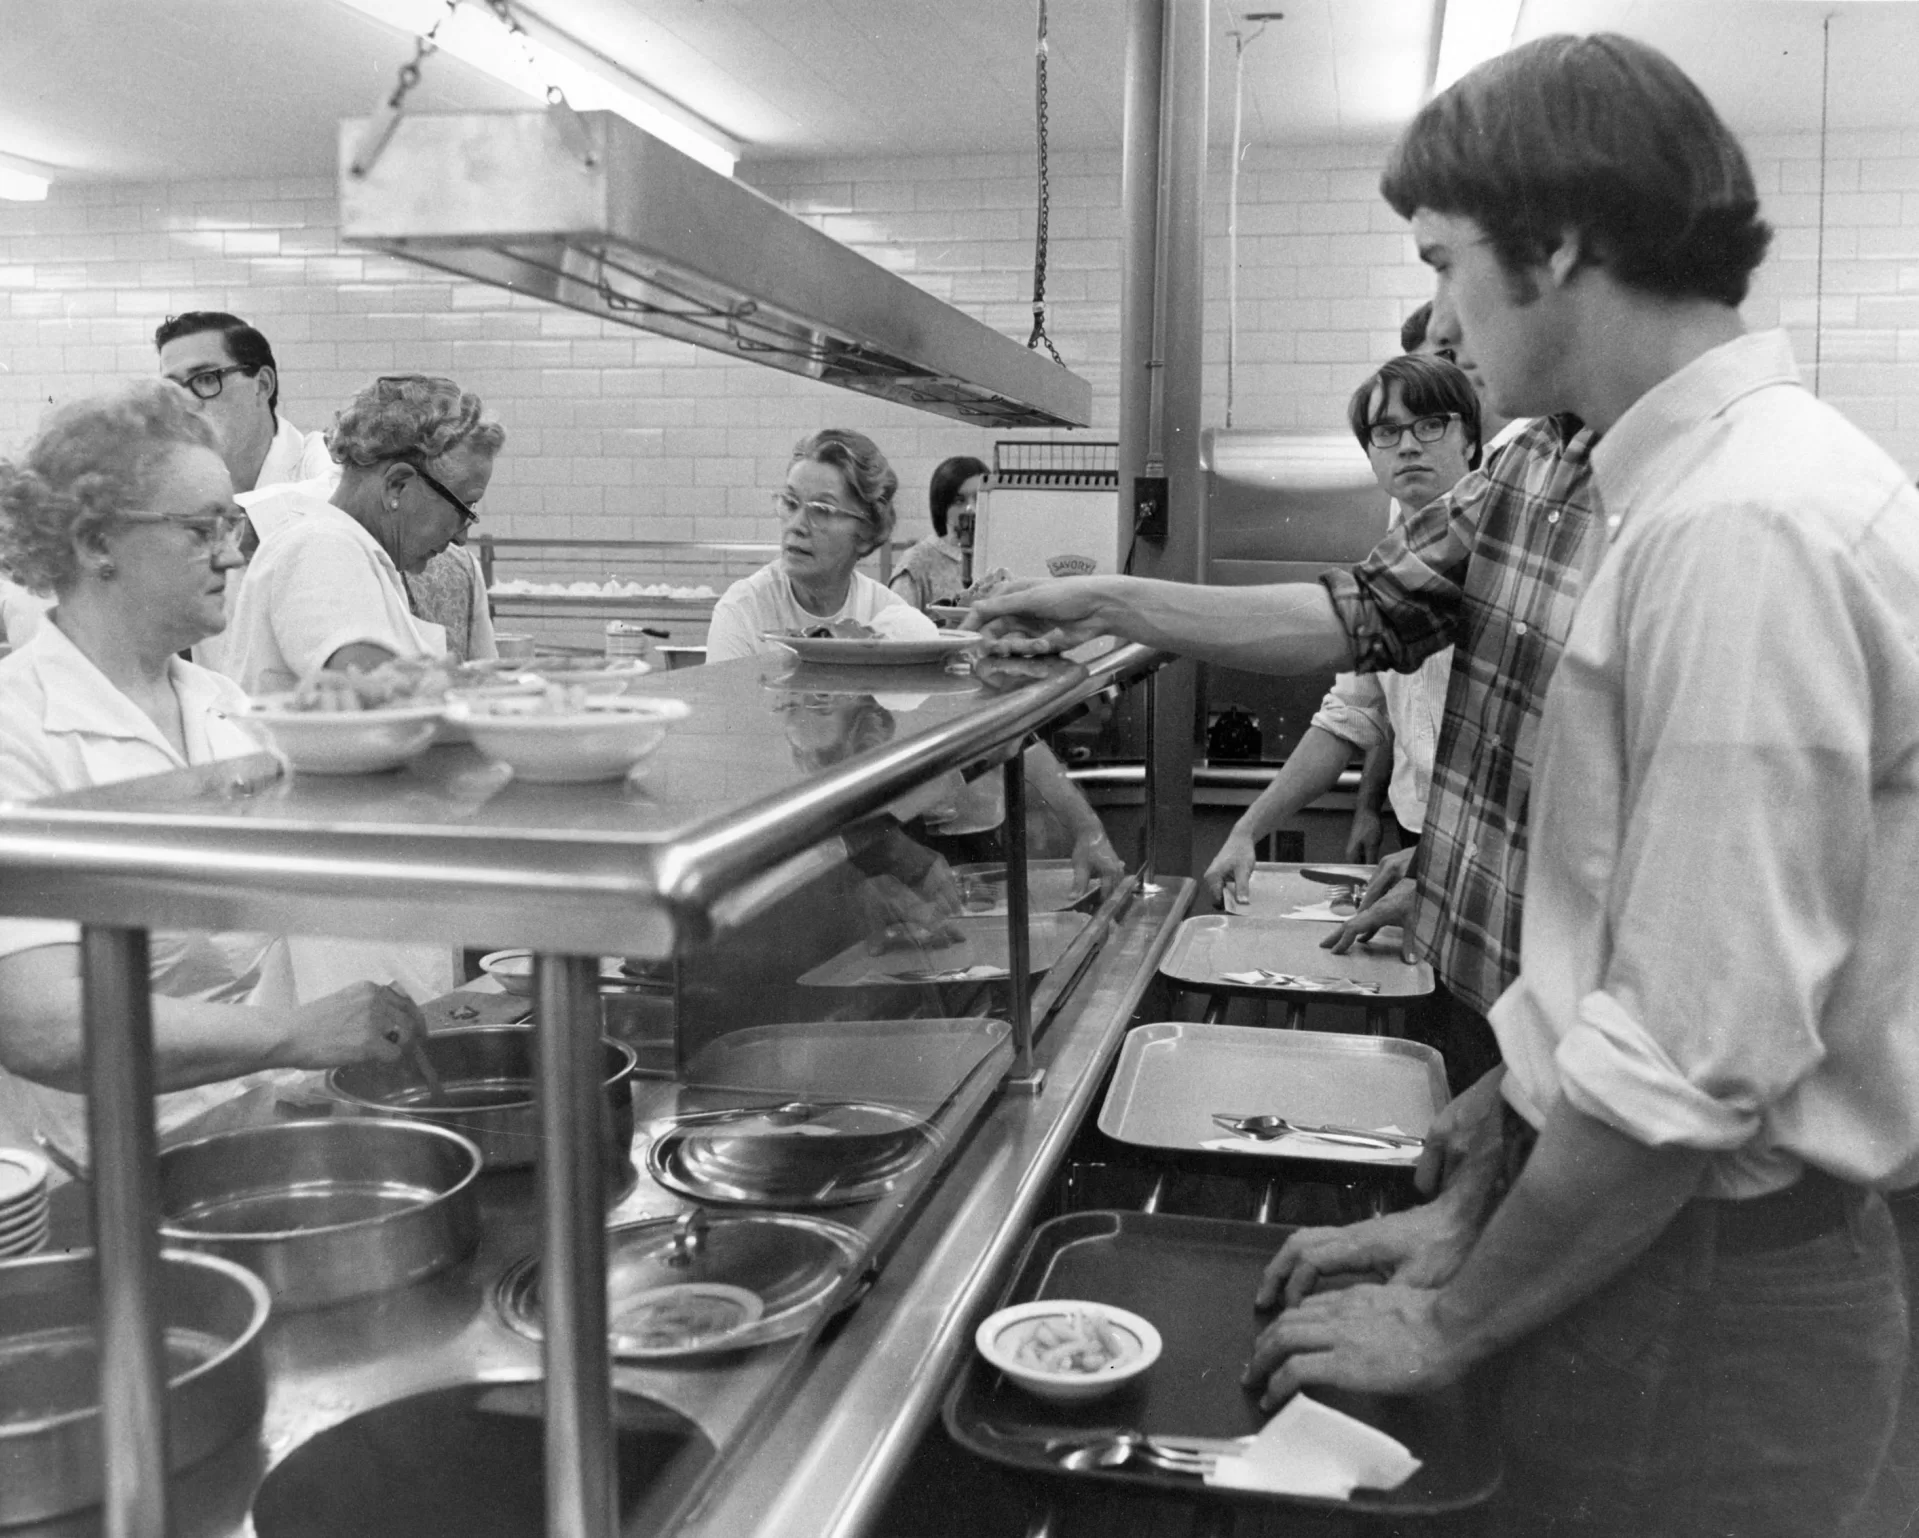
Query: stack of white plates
point(23, 1202)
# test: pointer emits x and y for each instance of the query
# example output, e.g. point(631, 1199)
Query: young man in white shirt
point(1664, 1216)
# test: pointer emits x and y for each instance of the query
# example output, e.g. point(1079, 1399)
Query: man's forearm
point(1312, 769)
point(1589, 1202)
point(1288, 627)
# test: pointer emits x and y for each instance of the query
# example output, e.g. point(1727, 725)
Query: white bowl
point(1000, 1336)
point(347, 741)
point(601, 740)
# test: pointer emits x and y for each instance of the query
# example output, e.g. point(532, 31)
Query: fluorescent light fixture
point(1470, 33)
point(473, 34)
point(23, 186)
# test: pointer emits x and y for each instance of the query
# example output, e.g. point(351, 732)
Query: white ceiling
point(189, 89)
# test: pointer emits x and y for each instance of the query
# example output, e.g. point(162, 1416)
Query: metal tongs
point(1265, 1128)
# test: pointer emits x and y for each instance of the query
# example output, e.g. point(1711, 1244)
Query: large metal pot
point(488, 1073)
point(323, 1211)
point(50, 1453)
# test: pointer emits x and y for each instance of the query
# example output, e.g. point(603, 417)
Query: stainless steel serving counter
point(732, 816)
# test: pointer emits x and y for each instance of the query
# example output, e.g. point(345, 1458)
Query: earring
point(107, 571)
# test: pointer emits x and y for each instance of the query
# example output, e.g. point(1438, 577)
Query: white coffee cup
point(513, 644)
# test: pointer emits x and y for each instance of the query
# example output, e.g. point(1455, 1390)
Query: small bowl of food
point(1065, 1350)
point(566, 735)
point(596, 674)
point(348, 723)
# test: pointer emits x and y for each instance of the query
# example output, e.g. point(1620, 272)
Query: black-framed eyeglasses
point(469, 514)
point(210, 530)
point(209, 382)
point(1427, 429)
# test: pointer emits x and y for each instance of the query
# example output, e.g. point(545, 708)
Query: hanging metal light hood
point(588, 211)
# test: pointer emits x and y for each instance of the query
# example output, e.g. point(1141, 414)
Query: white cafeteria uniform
point(766, 601)
point(320, 582)
point(64, 727)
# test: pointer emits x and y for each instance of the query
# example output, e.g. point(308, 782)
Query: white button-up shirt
point(1718, 937)
point(319, 582)
point(64, 726)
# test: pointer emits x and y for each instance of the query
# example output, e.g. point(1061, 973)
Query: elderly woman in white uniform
point(835, 509)
point(121, 507)
point(325, 590)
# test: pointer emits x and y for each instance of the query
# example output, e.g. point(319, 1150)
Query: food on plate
point(837, 630)
point(983, 587)
point(403, 681)
point(1079, 1341)
point(673, 1318)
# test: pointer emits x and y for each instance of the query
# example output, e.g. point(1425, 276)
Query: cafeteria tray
point(1194, 1279)
point(915, 1064)
point(1049, 887)
point(1172, 1076)
point(983, 943)
point(1278, 888)
point(1210, 944)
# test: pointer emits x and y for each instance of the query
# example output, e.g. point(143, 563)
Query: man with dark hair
point(1412, 330)
point(1666, 1214)
point(229, 369)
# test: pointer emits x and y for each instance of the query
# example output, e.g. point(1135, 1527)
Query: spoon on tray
point(1266, 1128)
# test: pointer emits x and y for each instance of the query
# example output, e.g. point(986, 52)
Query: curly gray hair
point(868, 476)
point(91, 459)
point(412, 416)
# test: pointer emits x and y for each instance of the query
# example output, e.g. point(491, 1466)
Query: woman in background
point(930, 572)
point(122, 508)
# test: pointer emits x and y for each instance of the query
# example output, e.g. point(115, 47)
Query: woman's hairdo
point(412, 416)
point(944, 489)
point(868, 476)
point(1600, 135)
point(91, 459)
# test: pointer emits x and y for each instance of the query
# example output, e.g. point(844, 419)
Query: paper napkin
point(1312, 1449)
point(1293, 1146)
point(1299, 982)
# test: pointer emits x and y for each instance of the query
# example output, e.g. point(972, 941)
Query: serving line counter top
point(727, 821)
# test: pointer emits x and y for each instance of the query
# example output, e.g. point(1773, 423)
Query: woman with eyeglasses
point(327, 588)
point(122, 509)
point(835, 509)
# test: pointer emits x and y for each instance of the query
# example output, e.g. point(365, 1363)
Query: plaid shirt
point(1494, 569)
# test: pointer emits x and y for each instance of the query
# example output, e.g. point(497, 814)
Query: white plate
point(21, 1174)
point(860, 649)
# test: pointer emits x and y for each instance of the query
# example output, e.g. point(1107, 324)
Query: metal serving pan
point(50, 1442)
point(915, 1064)
point(324, 1211)
point(1206, 946)
point(1194, 1279)
point(1172, 1076)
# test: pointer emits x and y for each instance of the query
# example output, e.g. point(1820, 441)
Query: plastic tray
point(984, 944)
point(1194, 1279)
point(1172, 1076)
point(1049, 887)
point(1211, 944)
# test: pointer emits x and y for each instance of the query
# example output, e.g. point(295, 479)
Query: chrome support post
point(116, 1015)
point(581, 1500)
point(1023, 1076)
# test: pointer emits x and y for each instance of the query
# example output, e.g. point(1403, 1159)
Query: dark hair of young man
point(1428, 387)
point(244, 345)
point(1412, 330)
point(945, 487)
point(1602, 135)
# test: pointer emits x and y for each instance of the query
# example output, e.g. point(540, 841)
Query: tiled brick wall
point(614, 433)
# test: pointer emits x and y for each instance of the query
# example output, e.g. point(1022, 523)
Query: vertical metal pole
point(1018, 939)
point(581, 1501)
point(116, 1014)
point(1149, 791)
point(1163, 195)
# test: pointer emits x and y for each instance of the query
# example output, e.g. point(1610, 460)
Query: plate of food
point(849, 641)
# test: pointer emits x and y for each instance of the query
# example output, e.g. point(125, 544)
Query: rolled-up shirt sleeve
point(1354, 710)
point(1402, 603)
point(1740, 679)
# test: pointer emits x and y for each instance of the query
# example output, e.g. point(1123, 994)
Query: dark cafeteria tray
point(1194, 1279)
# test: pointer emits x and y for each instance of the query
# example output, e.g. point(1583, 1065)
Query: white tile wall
point(614, 433)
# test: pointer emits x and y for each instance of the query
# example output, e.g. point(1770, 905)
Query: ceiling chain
point(1045, 202)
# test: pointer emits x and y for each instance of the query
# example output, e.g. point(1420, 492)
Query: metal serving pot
point(50, 1451)
point(488, 1073)
point(323, 1211)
